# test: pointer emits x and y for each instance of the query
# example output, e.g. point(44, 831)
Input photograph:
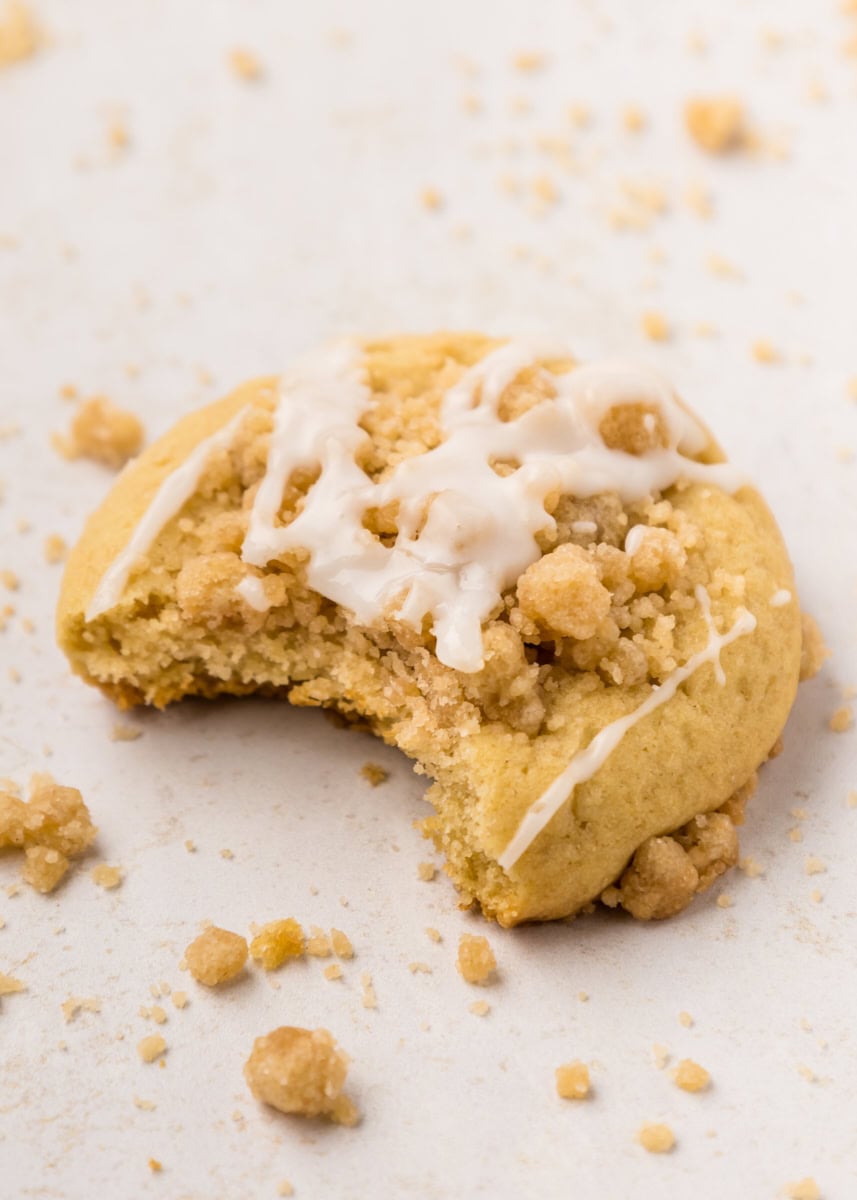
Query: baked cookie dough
point(539, 579)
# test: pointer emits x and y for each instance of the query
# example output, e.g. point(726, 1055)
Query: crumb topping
point(301, 1071)
point(216, 956)
point(52, 827)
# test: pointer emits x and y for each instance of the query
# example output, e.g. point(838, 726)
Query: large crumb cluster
point(52, 827)
point(276, 942)
point(476, 962)
point(102, 431)
point(301, 1071)
point(216, 956)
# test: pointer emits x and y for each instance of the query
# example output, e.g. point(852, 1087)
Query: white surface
point(243, 224)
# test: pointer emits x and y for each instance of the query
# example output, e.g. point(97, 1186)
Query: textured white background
point(243, 223)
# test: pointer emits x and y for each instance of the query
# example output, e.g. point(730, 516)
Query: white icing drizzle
point(174, 492)
point(465, 533)
point(781, 598)
point(634, 539)
point(252, 590)
point(585, 764)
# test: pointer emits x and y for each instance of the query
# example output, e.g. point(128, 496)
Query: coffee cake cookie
point(539, 579)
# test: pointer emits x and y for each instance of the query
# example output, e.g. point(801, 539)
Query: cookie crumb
point(716, 123)
point(852, 798)
point(480, 1008)
point(431, 199)
point(334, 971)
point(245, 65)
point(155, 1165)
point(10, 580)
point(660, 1055)
point(426, 871)
point(106, 877)
point(433, 933)
point(633, 119)
point(529, 61)
point(724, 900)
point(318, 943)
point(685, 1019)
point(814, 866)
point(655, 326)
point(144, 1105)
point(764, 351)
point(125, 733)
point(9, 985)
point(751, 867)
point(842, 719)
point(368, 997)
point(227, 853)
point(301, 1071)
point(151, 1048)
point(804, 1189)
point(102, 432)
point(19, 36)
point(179, 999)
point(476, 961)
point(341, 944)
point(276, 942)
point(572, 1081)
point(374, 773)
point(54, 549)
point(285, 1188)
point(690, 1076)
point(656, 1137)
point(419, 968)
point(216, 956)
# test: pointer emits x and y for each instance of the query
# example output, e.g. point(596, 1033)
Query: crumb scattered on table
point(106, 876)
point(19, 36)
point(656, 1137)
point(368, 997)
point(476, 961)
point(334, 971)
point(426, 871)
point(480, 1008)
point(9, 985)
point(216, 956)
point(125, 733)
point(374, 773)
point(151, 1048)
point(341, 944)
point(103, 432)
point(814, 866)
point(301, 1071)
point(803, 1189)
point(572, 1081)
point(690, 1076)
point(54, 549)
point(318, 943)
point(655, 326)
point(842, 719)
point(245, 65)
point(276, 942)
point(716, 123)
point(78, 1004)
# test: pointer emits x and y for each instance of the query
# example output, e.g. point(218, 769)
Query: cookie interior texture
point(555, 673)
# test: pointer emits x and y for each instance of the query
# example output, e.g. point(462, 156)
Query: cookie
point(539, 579)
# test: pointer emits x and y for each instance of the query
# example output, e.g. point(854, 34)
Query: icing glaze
point(174, 492)
point(780, 598)
point(252, 590)
point(465, 533)
point(585, 764)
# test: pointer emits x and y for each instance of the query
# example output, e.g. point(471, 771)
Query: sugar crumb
point(276, 942)
point(106, 876)
point(656, 1137)
point(572, 1081)
point(301, 1071)
point(216, 956)
point(690, 1076)
point(285, 1188)
point(476, 962)
point(660, 1055)
point(179, 999)
point(374, 774)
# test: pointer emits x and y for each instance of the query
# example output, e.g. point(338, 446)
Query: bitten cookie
point(539, 579)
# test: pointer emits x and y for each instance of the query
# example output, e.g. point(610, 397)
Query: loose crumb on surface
point(106, 876)
point(724, 900)
point(814, 866)
point(301, 1071)
point(276, 942)
point(52, 827)
point(10, 580)
point(842, 719)
point(54, 549)
point(764, 351)
point(476, 961)
point(155, 1165)
point(655, 326)
point(751, 867)
point(125, 733)
point(803, 1189)
point(216, 956)
point(144, 1105)
point(633, 119)
point(151, 1047)
point(426, 871)
point(9, 985)
point(656, 1137)
point(716, 123)
point(244, 64)
point(529, 61)
point(685, 1019)
point(480, 1008)
point(690, 1076)
point(572, 1081)
point(334, 971)
point(374, 774)
point(368, 997)
point(433, 933)
point(419, 968)
point(103, 432)
point(318, 943)
point(341, 944)
point(179, 999)
point(78, 1004)
point(19, 36)
point(660, 1055)
point(431, 199)
point(285, 1188)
